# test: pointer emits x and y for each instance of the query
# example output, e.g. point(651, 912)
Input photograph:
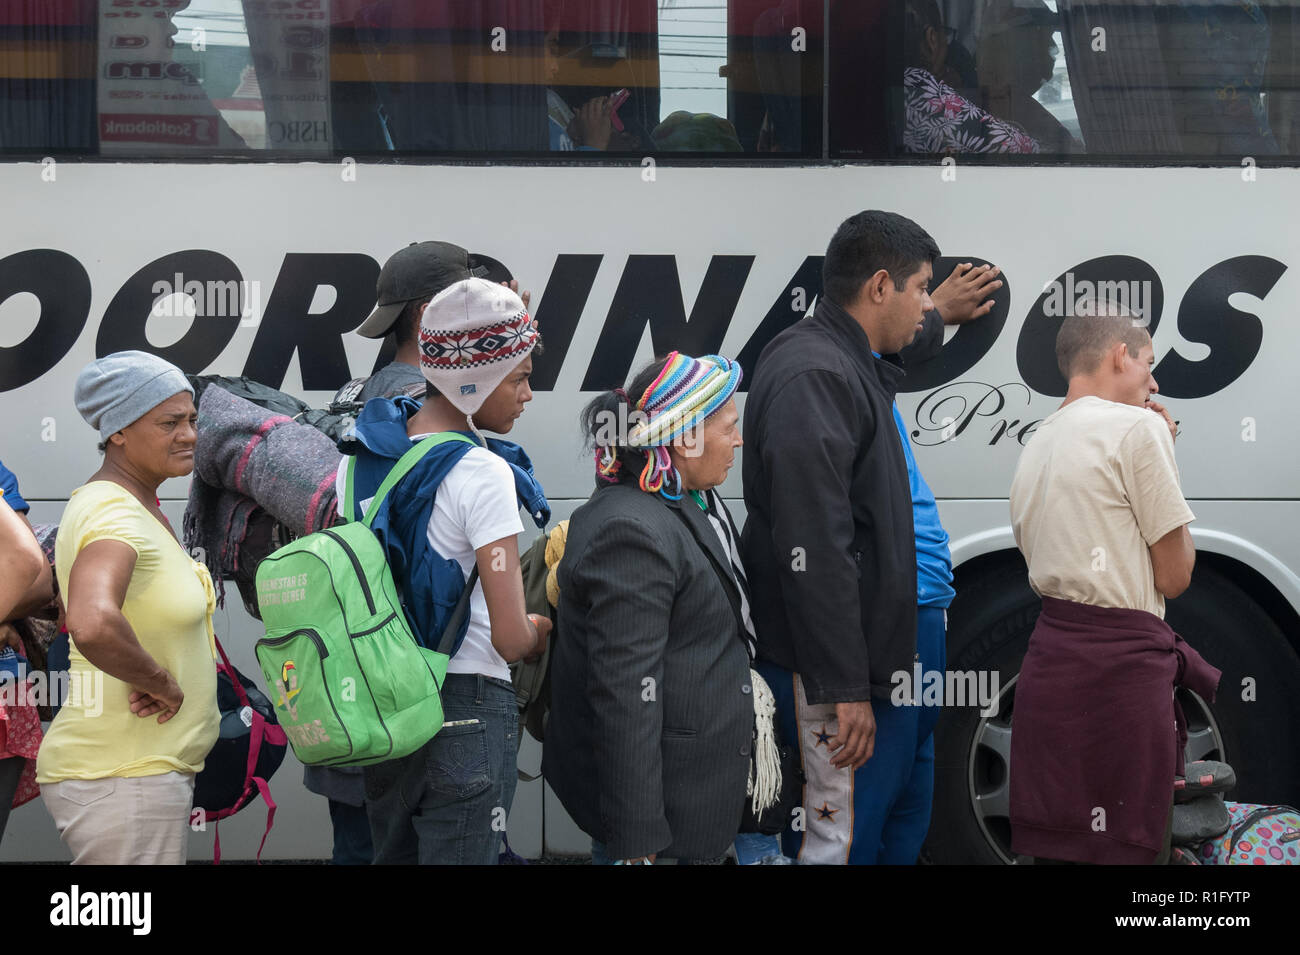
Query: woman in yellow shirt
point(118, 764)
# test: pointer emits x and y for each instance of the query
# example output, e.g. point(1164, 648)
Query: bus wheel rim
point(988, 777)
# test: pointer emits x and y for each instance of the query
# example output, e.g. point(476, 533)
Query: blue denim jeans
point(352, 844)
point(446, 803)
point(753, 847)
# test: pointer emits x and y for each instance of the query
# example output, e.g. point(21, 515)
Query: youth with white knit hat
point(439, 805)
point(473, 335)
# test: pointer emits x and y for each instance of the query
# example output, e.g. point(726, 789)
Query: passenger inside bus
point(595, 126)
point(1015, 58)
point(938, 119)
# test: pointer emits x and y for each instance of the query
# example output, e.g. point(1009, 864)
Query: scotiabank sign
point(648, 293)
point(147, 127)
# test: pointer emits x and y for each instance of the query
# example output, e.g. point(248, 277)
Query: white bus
point(278, 151)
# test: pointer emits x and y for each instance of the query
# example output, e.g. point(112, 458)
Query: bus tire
point(1255, 718)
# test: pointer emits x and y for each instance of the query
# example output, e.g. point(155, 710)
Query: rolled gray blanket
point(248, 457)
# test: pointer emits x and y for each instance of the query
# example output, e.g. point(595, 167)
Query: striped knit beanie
point(686, 392)
point(473, 334)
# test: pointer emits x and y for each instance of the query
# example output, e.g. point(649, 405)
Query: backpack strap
point(259, 731)
point(399, 470)
point(452, 630)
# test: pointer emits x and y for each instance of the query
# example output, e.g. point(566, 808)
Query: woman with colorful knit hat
point(651, 740)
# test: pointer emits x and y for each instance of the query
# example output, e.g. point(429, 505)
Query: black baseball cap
point(485, 267)
point(421, 270)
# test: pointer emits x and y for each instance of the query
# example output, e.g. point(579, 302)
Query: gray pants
point(123, 820)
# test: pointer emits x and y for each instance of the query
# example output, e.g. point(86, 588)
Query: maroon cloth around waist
point(1097, 735)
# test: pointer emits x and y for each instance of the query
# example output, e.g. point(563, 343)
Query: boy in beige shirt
point(1098, 513)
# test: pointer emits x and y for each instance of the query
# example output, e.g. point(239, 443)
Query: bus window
point(223, 76)
point(775, 76)
point(602, 76)
point(705, 77)
point(47, 78)
point(1053, 80)
point(158, 78)
point(495, 79)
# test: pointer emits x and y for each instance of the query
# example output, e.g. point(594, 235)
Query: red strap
point(275, 735)
point(265, 790)
point(254, 746)
point(259, 730)
point(234, 677)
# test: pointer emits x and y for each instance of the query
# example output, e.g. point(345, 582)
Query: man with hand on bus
point(1097, 511)
point(829, 542)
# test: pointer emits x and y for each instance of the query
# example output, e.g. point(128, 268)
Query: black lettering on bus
point(1205, 316)
point(62, 286)
point(125, 320)
point(791, 305)
point(287, 325)
point(1113, 275)
point(650, 293)
point(567, 291)
point(972, 340)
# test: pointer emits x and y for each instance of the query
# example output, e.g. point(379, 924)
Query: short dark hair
point(1087, 335)
point(868, 242)
point(407, 327)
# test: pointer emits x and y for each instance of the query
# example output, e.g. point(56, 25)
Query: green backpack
point(351, 684)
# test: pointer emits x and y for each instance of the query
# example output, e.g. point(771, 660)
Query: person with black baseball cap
point(408, 281)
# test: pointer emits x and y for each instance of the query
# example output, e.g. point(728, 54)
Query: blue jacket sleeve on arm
point(9, 484)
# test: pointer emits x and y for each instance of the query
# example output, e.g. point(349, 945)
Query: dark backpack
point(247, 753)
point(333, 421)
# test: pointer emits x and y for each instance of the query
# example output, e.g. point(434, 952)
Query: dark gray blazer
point(652, 713)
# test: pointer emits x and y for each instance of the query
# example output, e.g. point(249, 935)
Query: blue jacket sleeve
point(9, 484)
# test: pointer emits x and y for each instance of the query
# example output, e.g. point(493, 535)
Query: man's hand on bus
point(525, 295)
point(965, 294)
point(1159, 409)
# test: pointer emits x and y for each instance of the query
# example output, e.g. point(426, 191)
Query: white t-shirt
point(475, 505)
point(1095, 487)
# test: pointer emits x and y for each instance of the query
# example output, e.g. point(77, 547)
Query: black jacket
point(652, 712)
point(828, 542)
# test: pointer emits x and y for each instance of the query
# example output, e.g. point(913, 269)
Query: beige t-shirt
point(1095, 487)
